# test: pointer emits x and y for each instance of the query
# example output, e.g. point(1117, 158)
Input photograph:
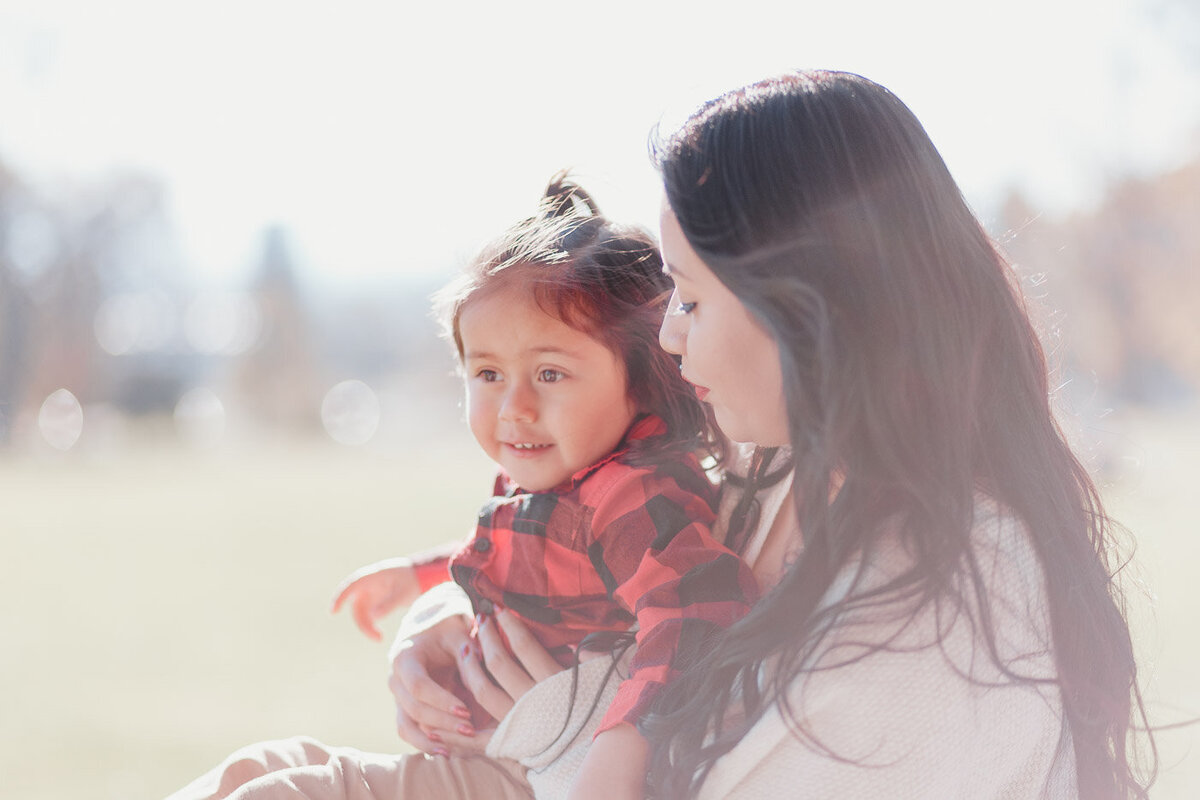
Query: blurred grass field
point(160, 607)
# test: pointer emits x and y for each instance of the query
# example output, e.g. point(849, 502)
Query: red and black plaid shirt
point(615, 544)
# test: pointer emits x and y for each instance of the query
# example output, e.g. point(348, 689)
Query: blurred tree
point(278, 379)
point(113, 236)
point(15, 305)
point(1126, 279)
point(61, 256)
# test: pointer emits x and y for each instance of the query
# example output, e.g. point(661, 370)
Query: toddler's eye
point(550, 376)
point(488, 375)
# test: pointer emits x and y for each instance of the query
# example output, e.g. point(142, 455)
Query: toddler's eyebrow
point(544, 350)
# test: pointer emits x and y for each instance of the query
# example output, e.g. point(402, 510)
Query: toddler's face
point(543, 399)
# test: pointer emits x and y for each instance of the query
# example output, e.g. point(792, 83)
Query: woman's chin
point(737, 429)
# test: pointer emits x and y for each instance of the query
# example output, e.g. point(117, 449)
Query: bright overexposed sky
point(392, 138)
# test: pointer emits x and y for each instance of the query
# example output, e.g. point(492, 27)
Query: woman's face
point(727, 355)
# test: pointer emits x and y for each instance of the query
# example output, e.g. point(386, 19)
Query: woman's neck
point(780, 545)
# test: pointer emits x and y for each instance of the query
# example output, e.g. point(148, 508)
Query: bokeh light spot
point(200, 416)
point(350, 412)
point(60, 420)
point(222, 323)
point(135, 321)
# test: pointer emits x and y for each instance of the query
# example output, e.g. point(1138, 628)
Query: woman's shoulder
point(999, 552)
point(1004, 563)
point(1003, 559)
point(998, 583)
point(904, 698)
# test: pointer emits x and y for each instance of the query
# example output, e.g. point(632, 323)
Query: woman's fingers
point(423, 700)
point(495, 699)
point(410, 732)
point(458, 745)
point(503, 666)
point(536, 660)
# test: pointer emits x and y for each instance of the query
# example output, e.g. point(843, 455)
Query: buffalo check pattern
point(616, 544)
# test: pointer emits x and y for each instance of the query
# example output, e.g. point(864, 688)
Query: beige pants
point(304, 769)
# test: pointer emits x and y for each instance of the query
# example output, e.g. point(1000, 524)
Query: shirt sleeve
point(653, 544)
point(432, 566)
point(433, 571)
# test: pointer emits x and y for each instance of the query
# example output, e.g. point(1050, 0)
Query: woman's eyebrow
point(673, 272)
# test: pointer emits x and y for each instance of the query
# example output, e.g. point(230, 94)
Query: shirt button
point(482, 545)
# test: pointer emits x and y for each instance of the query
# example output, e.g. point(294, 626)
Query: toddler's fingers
point(346, 589)
point(339, 597)
point(364, 619)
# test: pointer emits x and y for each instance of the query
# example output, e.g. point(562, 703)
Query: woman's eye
point(488, 375)
point(681, 309)
point(550, 376)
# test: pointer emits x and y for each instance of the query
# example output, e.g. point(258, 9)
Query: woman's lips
point(701, 391)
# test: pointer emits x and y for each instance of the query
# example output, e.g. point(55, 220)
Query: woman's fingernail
point(461, 712)
point(433, 737)
point(466, 730)
point(465, 653)
point(441, 751)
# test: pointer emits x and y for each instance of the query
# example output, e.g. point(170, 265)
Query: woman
point(953, 549)
point(939, 617)
point(943, 621)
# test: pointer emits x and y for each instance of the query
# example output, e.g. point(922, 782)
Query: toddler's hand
point(375, 590)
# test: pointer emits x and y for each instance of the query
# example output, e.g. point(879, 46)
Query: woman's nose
point(520, 404)
point(671, 333)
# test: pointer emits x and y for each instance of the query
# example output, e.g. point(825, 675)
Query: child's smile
point(544, 400)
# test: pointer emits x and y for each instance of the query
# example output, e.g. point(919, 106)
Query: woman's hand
point(497, 673)
point(514, 659)
point(424, 674)
point(375, 590)
point(429, 666)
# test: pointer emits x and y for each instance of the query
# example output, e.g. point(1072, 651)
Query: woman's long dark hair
point(913, 374)
point(606, 280)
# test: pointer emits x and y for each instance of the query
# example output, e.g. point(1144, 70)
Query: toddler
point(601, 511)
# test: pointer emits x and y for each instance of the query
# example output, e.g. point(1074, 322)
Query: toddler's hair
point(602, 279)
